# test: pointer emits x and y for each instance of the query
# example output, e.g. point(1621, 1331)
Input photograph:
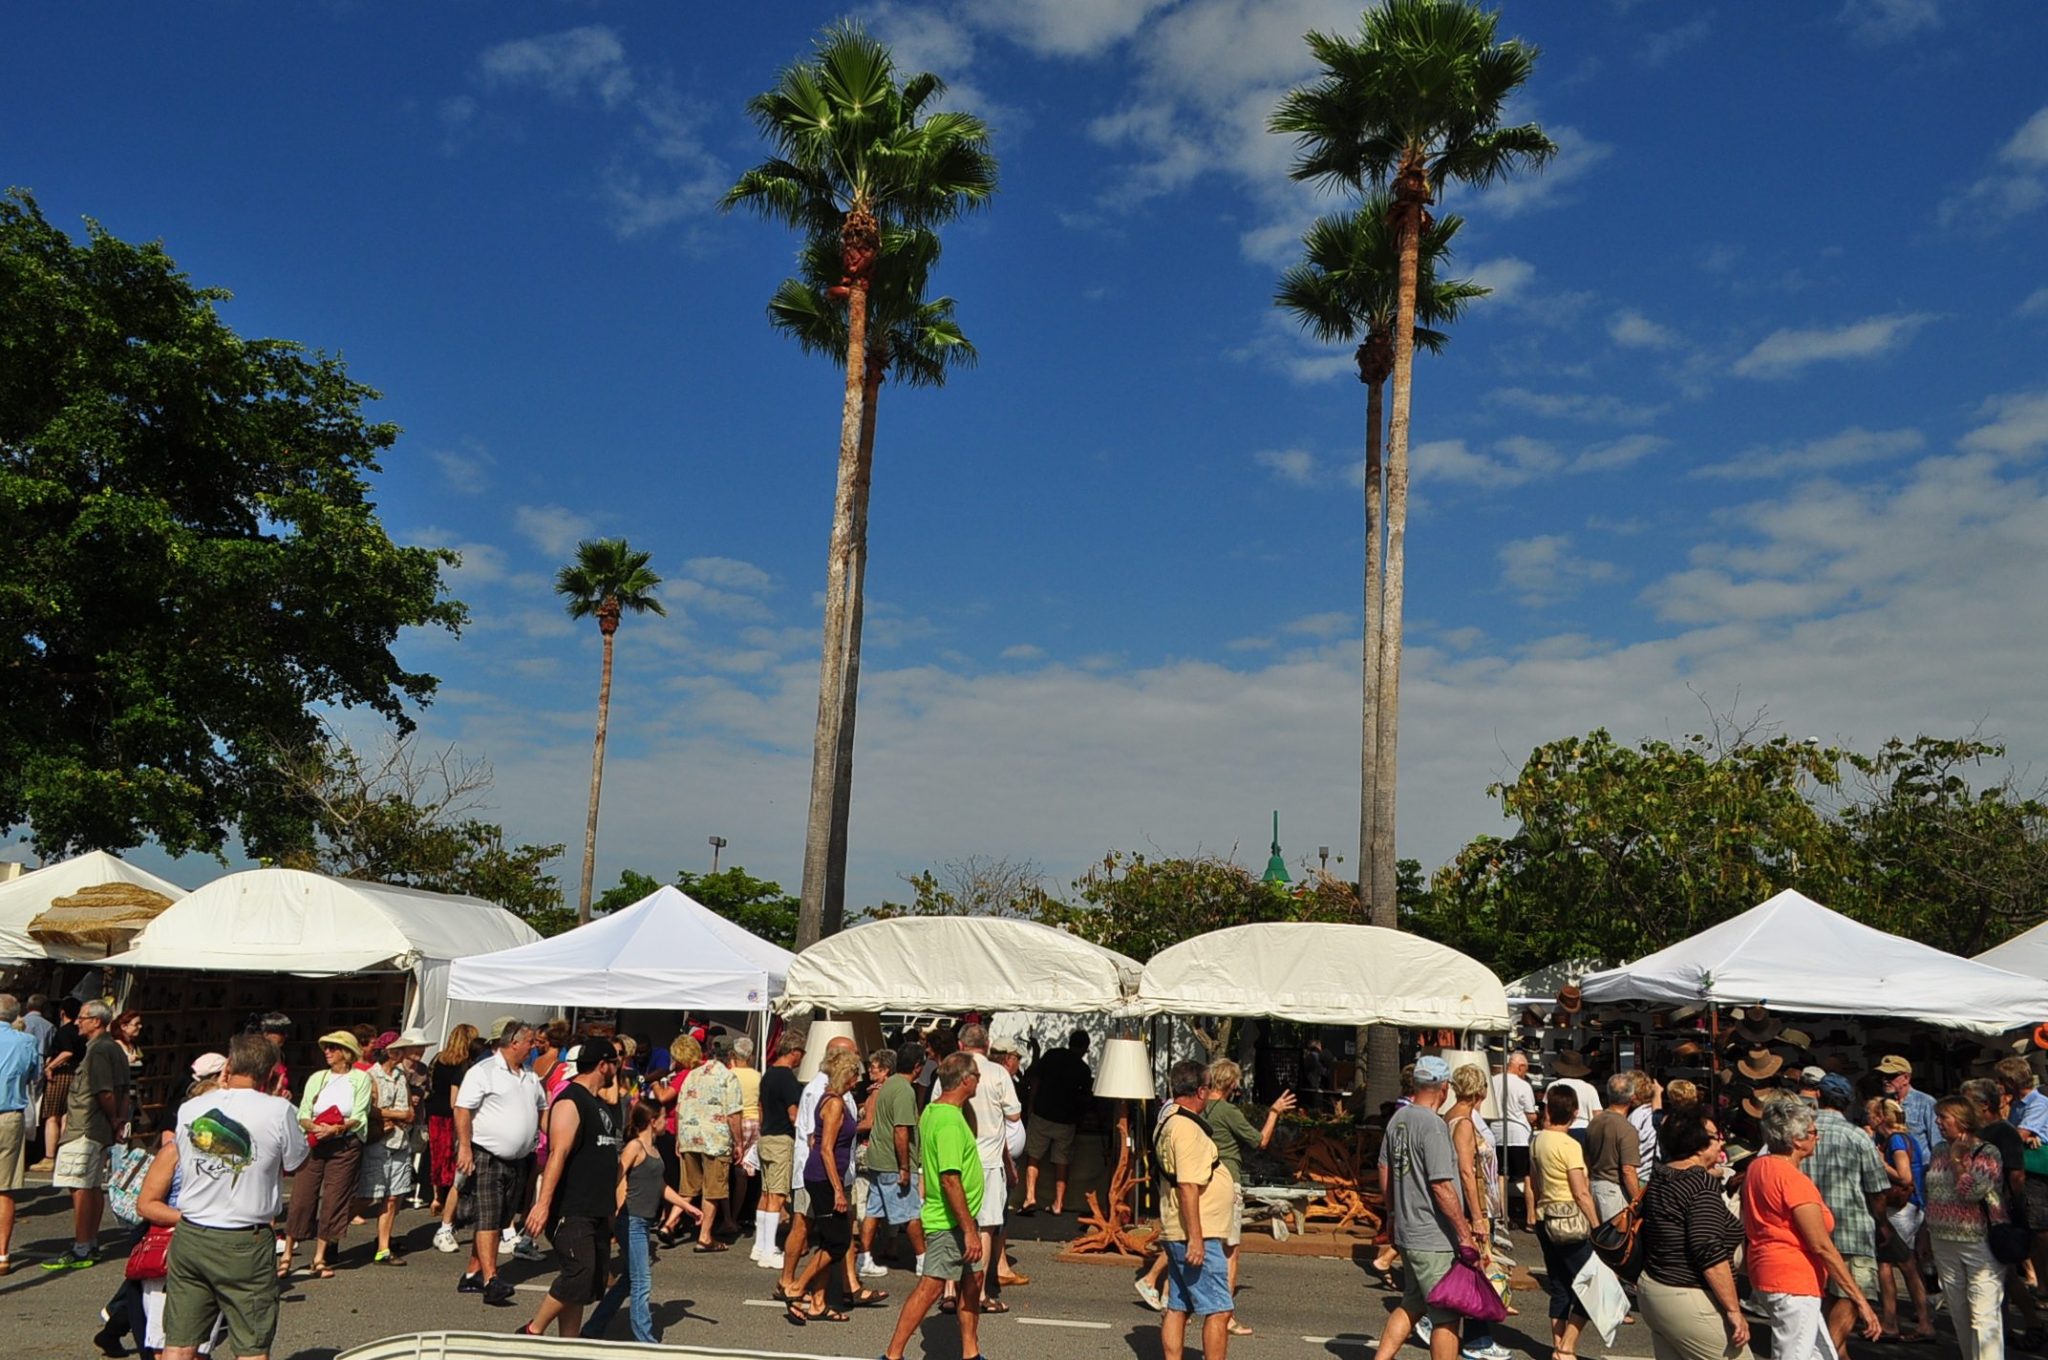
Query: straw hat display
point(1570, 1000)
point(1760, 1064)
point(1758, 1025)
point(107, 915)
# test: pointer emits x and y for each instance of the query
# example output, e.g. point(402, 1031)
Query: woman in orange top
point(1792, 1256)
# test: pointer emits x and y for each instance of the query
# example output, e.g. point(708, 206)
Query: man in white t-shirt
point(996, 1110)
point(235, 1145)
point(497, 1126)
point(1515, 1098)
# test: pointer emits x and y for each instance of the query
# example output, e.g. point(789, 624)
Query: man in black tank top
point(578, 1191)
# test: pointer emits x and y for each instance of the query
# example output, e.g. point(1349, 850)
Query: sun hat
point(209, 1065)
point(1892, 1065)
point(413, 1037)
point(1569, 1063)
point(499, 1025)
point(1570, 999)
point(387, 1040)
point(1431, 1071)
point(341, 1038)
point(1760, 1064)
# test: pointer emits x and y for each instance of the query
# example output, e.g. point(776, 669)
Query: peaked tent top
point(1792, 954)
point(2025, 954)
point(952, 964)
point(30, 896)
point(292, 921)
point(666, 951)
point(1324, 973)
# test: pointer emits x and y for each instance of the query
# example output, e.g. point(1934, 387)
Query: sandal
point(951, 1305)
point(323, 1272)
point(870, 1298)
point(705, 1248)
point(994, 1306)
point(1238, 1328)
point(825, 1315)
point(796, 1313)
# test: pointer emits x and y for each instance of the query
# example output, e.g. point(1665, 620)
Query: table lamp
point(1125, 1072)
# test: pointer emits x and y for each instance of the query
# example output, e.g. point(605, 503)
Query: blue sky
point(1753, 422)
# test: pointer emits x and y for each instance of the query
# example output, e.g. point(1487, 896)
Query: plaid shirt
point(1846, 1167)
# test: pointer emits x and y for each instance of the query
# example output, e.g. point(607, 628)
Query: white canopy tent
point(30, 896)
point(291, 921)
point(666, 951)
point(2025, 954)
point(1324, 973)
point(957, 963)
point(1794, 955)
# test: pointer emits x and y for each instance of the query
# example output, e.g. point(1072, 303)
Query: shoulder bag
point(150, 1258)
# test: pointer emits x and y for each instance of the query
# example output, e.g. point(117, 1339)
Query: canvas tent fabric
point(1541, 987)
point(31, 895)
point(1324, 973)
point(1792, 954)
point(2025, 954)
point(950, 964)
point(666, 951)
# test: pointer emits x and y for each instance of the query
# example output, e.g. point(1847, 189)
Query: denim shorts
point(892, 1201)
point(1200, 1290)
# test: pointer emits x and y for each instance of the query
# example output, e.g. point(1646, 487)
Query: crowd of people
point(1849, 1198)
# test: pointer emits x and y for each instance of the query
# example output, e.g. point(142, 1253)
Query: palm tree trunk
point(604, 710)
point(842, 778)
point(1369, 745)
point(825, 873)
point(1411, 192)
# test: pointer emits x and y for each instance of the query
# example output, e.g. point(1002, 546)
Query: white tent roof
point(664, 951)
point(1324, 973)
point(290, 921)
point(2025, 954)
point(30, 896)
point(957, 963)
point(1794, 955)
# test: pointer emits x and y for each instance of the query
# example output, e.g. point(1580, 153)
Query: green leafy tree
point(1623, 850)
point(1940, 858)
point(1138, 906)
point(606, 581)
point(1348, 288)
point(399, 814)
point(1415, 102)
point(195, 567)
point(758, 905)
point(856, 153)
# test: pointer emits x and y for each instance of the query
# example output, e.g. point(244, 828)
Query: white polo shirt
point(505, 1107)
point(995, 1103)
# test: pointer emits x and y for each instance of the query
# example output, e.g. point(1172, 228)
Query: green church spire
point(1276, 867)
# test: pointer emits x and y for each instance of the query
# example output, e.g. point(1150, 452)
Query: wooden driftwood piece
point(1109, 1226)
point(1347, 1170)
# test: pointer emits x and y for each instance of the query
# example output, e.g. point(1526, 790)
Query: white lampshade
point(1126, 1071)
point(821, 1033)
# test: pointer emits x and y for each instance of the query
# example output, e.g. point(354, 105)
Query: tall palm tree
point(606, 581)
point(1414, 102)
point(855, 153)
point(919, 340)
point(1346, 289)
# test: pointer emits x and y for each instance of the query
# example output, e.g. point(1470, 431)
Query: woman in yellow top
point(1564, 1215)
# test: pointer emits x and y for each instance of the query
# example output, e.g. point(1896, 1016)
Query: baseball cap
point(1892, 1065)
point(209, 1065)
point(1811, 1076)
point(586, 1055)
point(1837, 1087)
point(1431, 1071)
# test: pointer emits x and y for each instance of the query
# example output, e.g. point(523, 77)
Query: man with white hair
point(1515, 1098)
point(997, 1110)
point(19, 1062)
point(97, 1110)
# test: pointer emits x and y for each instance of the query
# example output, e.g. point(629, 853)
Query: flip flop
point(323, 1272)
point(1027, 1211)
point(706, 1248)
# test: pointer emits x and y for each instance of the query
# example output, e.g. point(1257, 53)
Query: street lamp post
point(718, 843)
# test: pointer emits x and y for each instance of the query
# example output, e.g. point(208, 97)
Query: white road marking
point(763, 1303)
point(1059, 1322)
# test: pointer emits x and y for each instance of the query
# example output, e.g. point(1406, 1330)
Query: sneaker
point(1150, 1294)
point(470, 1284)
point(1424, 1330)
point(529, 1250)
point(771, 1260)
point(499, 1293)
point(444, 1239)
point(871, 1269)
point(1494, 1351)
point(71, 1260)
point(109, 1341)
point(509, 1236)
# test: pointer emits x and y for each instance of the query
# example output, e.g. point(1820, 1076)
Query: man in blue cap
point(1850, 1174)
point(1419, 1169)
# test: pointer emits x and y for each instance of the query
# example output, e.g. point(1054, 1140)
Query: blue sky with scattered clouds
point(1753, 421)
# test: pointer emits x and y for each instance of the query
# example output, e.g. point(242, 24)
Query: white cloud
point(1593, 409)
point(554, 529)
point(1064, 28)
point(1326, 625)
point(2018, 425)
point(1519, 459)
point(1888, 21)
point(1023, 651)
point(1543, 570)
point(567, 65)
point(1508, 277)
point(1661, 47)
point(2034, 304)
point(730, 573)
point(1526, 191)
point(1296, 466)
point(2016, 187)
point(727, 604)
point(1615, 454)
point(1784, 353)
point(466, 469)
point(1630, 329)
point(1846, 448)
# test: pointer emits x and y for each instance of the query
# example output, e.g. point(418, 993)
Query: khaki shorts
point(81, 1165)
point(945, 1255)
point(1863, 1270)
point(13, 1150)
point(1047, 1140)
point(703, 1174)
point(1234, 1234)
point(778, 1156)
point(222, 1271)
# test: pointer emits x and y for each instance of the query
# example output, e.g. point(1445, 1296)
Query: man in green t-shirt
point(895, 1182)
point(952, 1198)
